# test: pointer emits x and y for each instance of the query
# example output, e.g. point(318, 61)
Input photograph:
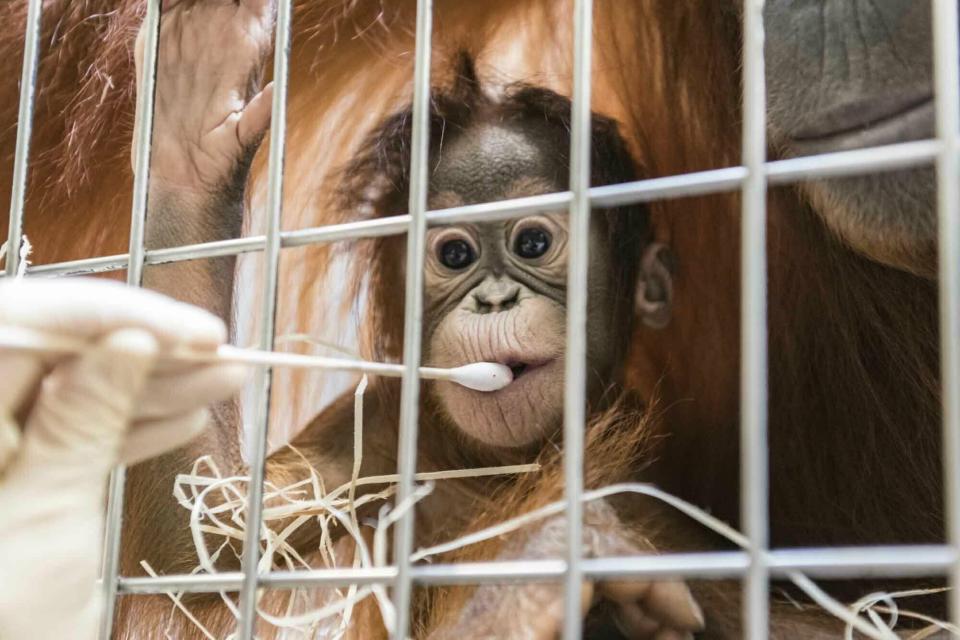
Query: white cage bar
point(946, 88)
point(575, 362)
point(779, 172)
point(413, 320)
point(268, 308)
point(753, 327)
point(143, 137)
point(756, 565)
point(824, 562)
point(28, 91)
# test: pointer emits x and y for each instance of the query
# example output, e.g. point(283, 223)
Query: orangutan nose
point(493, 297)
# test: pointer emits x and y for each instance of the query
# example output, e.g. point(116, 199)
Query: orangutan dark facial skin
point(496, 291)
point(850, 74)
point(512, 311)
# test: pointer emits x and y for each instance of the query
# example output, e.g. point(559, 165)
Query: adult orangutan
point(854, 398)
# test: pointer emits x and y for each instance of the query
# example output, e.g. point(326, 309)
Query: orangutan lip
point(911, 120)
point(520, 369)
point(517, 369)
point(856, 116)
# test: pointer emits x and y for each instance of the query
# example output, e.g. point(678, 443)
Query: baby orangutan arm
point(642, 609)
point(617, 444)
point(634, 609)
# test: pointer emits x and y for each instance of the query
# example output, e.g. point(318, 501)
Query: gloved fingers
point(85, 404)
point(174, 392)
point(88, 308)
point(9, 439)
point(153, 437)
point(20, 373)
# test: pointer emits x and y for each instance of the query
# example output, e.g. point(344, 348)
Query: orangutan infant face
point(496, 291)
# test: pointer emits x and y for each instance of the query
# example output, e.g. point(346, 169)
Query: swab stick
point(480, 376)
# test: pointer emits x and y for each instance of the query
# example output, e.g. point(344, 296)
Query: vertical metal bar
point(574, 419)
point(143, 139)
point(143, 136)
point(271, 259)
point(413, 315)
point(947, 87)
point(21, 161)
point(753, 326)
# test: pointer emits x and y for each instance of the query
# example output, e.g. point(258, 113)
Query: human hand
point(66, 421)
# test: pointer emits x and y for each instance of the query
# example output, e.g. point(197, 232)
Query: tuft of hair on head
point(466, 83)
point(376, 182)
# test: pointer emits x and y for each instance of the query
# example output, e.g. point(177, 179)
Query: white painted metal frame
point(575, 361)
point(141, 182)
point(946, 90)
point(753, 327)
point(758, 563)
point(413, 318)
point(268, 301)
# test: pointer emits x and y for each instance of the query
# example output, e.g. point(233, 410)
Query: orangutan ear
point(654, 301)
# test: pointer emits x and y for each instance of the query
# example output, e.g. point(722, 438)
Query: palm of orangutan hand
point(208, 110)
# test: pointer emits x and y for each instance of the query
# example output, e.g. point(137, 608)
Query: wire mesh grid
point(758, 563)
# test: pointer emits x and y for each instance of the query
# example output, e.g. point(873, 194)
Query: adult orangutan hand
point(209, 107)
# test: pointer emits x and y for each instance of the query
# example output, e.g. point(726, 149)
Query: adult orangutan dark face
point(849, 74)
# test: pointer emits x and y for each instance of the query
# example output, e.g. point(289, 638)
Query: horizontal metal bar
point(215, 249)
point(470, 573)
point(893, 157)
point(82, 267)
point(826, 562)
point(865, 562)
point(519, 571)
point(393, 225)
point(181, 584)
point(780, 172)
point(723, 564)
point(329, 578)
point(678, 186)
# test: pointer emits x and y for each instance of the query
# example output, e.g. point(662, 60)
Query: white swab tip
point(482, 376)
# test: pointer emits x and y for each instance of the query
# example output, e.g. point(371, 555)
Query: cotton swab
point(479, 376)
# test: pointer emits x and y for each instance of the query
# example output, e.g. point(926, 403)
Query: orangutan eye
point(532, 243)
point(456, 254)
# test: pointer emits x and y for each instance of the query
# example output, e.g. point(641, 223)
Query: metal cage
point(754, 566)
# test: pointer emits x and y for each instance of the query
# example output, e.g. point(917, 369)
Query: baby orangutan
point(494, 291)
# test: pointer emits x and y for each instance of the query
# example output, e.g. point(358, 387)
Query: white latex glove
point(65, 422)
